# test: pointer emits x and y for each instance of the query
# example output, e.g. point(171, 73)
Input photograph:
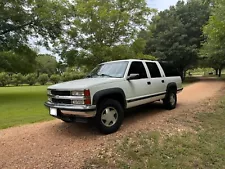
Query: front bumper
point(74, 110)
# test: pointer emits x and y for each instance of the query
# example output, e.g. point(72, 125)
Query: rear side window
point(169, 69)
point(153, 69)
point(138, 68)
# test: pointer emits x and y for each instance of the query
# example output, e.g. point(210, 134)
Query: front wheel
point(109, 116)
point(170, 100)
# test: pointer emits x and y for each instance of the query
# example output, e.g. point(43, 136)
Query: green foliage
point(213, 48)
point(31, 79)
point(20, 59)
point(102, 29)
point(43, 79)
point(55, 78)
point(17, 79)
point(4, 79)
point(68, 76)
point(46, 64)
point(43, 21)
point(176, 34)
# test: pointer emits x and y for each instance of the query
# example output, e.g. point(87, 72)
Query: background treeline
point(34, 79)
point(84, 33)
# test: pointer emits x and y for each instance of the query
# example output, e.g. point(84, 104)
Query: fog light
point(78, 102)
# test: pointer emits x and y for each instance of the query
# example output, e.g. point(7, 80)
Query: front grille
point(61, 101)
point(60, 93)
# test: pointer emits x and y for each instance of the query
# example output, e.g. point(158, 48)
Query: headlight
point(49, 92)
point(77, 93)
point(49, 99)
point(78, 102)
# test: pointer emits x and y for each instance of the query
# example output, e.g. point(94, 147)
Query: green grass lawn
point(21, 105)
point(202, 148)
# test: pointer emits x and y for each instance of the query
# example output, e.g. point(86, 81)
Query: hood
point(82, 83)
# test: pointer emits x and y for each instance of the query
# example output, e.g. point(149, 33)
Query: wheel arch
point(112, 93)
point(171, 86)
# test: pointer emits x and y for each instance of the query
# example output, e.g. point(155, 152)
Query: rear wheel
point(170, 100)
point(109, 116)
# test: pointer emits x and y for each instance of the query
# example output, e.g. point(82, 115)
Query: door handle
point(163, 81)
point(149, 83)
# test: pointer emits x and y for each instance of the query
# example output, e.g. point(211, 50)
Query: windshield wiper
point(106, 75)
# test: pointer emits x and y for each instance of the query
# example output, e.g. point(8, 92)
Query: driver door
point(137, 89)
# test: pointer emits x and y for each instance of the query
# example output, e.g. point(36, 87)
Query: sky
point(158, 4)
point(161, 4)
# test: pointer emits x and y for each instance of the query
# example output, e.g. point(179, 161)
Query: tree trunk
point(217, 71)
point(220, 71)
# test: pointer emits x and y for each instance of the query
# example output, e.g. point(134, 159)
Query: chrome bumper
point(75, 110)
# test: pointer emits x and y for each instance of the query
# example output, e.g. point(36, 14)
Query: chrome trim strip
point(70, 106)
point(68, 97)
point(80, 114)
point(145, 97)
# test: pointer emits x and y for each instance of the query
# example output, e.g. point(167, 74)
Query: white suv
point(113, 87)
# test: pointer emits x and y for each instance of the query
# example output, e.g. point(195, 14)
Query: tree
point(43, 21)
point(102, 27)
point(176, 34)
point(43, 79)
point(17, 79)
point(4, 79)
point(55, 78)
point(19, 60)
point(31, 79)
point(46, 64)
point(213, 47)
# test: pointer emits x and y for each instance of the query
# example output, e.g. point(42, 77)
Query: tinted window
point(169, 69)
point(153, 69)
point(138, 68)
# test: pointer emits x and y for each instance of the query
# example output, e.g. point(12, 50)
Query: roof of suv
point(130, 60)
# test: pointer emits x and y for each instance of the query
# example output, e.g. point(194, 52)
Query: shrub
point(17, 79)
point(55, 78)
point(43, 79)
point(30, 79)
point(67, 76)
point(4, 79)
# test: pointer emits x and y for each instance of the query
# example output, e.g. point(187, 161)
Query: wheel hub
point(109, 116)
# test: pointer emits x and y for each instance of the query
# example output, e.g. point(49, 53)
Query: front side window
point(153, 69)
point(138, 68)
point(113, 69)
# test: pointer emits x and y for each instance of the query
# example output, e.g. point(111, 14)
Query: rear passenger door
point(157, 79)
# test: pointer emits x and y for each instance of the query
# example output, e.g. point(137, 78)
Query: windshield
point(113, 69)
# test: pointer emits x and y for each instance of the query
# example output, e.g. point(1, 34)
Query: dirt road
point(55, 144)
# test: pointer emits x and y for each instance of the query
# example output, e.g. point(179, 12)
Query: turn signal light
point(87, 96)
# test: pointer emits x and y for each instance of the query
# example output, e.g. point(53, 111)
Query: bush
point(17, 79)
point(67, 76)
point(55, 78)
point(30, 79)
point(43, 79)
point(4, 79)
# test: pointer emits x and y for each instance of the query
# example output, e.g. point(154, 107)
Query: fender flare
point(102, 93)
point(172, 85)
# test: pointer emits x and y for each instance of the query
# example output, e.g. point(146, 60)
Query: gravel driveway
point(55, 144)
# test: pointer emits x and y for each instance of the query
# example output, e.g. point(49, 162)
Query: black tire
point(168, 103)
point(112, 106)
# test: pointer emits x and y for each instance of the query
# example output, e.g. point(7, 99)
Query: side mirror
point(133, 76)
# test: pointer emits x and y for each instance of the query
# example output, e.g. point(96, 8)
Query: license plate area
point(53, 111)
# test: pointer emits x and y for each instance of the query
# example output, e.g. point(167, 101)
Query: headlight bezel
point(77, 93)
point(49, 92)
